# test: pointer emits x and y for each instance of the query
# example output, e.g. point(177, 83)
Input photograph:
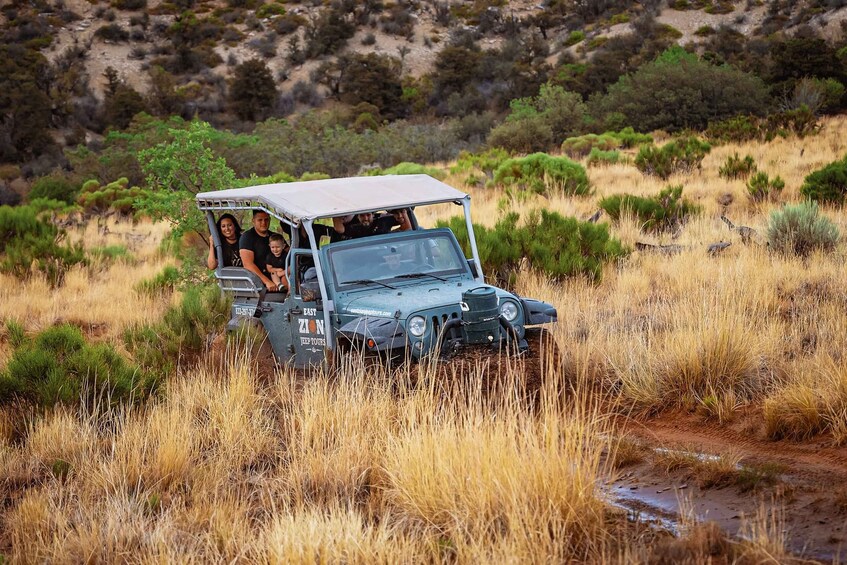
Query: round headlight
point(509, 310)
point(416, 326)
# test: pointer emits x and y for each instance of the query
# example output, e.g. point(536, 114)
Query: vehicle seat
point(310, 290)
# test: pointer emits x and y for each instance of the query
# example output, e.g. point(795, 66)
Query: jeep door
point(308, 333)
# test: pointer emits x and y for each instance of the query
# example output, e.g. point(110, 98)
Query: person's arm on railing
point(249, 262)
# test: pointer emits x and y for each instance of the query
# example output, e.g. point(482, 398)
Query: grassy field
point(359, 466)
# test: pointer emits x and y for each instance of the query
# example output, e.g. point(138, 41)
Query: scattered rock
point(718, 247)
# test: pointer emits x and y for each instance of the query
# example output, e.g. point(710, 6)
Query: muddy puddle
point(813, 525)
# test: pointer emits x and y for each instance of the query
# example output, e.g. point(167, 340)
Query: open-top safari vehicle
point(408, 293)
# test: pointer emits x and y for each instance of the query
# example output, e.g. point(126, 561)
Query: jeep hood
point(384, 303)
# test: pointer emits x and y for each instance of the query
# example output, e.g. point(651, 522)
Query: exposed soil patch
point(809, 490)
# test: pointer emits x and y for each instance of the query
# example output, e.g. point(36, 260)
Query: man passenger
point(254, 246)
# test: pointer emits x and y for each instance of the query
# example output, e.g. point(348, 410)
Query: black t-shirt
point(276, 262)
point(229, 251)
point(259, 245)
point(380, 225)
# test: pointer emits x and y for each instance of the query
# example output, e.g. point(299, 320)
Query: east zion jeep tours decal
point(312, 330)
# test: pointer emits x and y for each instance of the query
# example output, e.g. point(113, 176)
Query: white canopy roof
point(304, 200)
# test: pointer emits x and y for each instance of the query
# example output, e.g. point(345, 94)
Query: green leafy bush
point(524, 136)
point(537, 123)
point(664, 211)
point(118, 196)
point(29, 239)
point(678, 91)
point(799, 121)
point(600, 157)
point(54, 187)
point(678, 156)
point(58, 365)
point(736, 129)
point(580, 146)
point(552, 244)
point(486, 162)
point(185, 329)
point(409, 169)
point(574, 37)
point(801, 229)
point(737, 168)
point(272, 9)
point(112, 32)
point(828, 185)
point(760, 187)
point(542, 174)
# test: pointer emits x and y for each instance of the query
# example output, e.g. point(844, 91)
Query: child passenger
point(276, 261)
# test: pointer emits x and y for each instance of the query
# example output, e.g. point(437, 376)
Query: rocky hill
point(73, 69)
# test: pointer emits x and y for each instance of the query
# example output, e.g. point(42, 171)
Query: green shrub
point(524, 136)
point(112, 32)
point(184, 329)
point(129, 4)
point(58, 365)
point(272, 9)
point(165, 281)
point(486, 162)
point(542, 174)
point(313, 176)
point(536, 123)
point(552, 244)
point(656, 213)
point(253, 180)
point(574, 37)
point(827, 185)
point(54, 187)
point(736, 129)
point(29, 240)
point(678, 156)
point(116, 196)
point(582, 145)
point(680, 91)
point(760, 187)
point(737, 168)
point(799, 121)
point(409, 169)
point(600, 157)
point(800, 230)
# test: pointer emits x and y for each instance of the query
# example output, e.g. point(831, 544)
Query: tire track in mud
point(809, 461)
point(810, 494)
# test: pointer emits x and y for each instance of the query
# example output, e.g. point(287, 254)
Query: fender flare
point(377, 334)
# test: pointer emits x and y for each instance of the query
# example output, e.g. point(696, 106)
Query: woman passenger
point(229, 231)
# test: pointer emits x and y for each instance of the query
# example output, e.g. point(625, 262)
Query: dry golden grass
point(715, 333)
point(333, 469)
point(98, 297)
point(360, 467)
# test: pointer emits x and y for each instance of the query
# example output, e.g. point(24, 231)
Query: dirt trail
point(810, 493)
point(807, 461)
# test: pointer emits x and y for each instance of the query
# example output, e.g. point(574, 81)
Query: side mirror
point(472, 265)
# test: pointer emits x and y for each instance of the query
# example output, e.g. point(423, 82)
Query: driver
point(370, 224)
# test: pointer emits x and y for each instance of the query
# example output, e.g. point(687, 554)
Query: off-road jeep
point(409, 293)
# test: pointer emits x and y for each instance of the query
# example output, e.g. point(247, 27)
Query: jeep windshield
point(409, 256)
